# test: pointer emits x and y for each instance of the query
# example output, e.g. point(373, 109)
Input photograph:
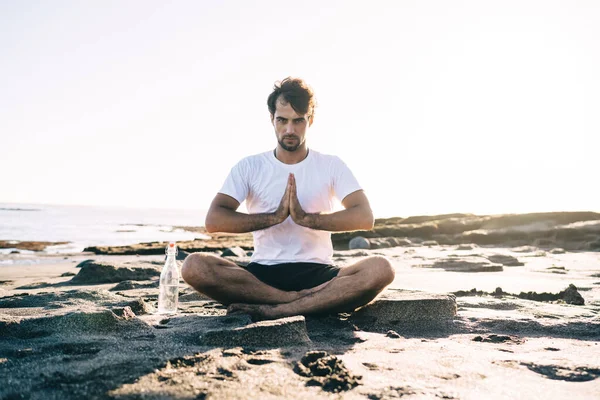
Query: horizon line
point(386, 216)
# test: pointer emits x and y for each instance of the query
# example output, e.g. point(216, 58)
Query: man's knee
point(198, 268)
point(382, 271)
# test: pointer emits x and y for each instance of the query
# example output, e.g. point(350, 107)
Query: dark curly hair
point(296, 93)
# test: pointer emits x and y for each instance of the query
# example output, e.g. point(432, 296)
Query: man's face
point(290, 127)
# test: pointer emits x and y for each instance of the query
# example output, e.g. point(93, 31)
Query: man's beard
point(292, 148)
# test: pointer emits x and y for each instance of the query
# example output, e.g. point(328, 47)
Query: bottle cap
point(171, 248)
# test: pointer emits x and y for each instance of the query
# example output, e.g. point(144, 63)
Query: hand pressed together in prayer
point(298, 215)
point(290, 205)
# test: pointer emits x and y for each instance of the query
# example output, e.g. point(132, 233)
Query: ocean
point(83, 226)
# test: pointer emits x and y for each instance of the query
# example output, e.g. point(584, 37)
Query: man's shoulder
point(255, 159)
point(323, 157)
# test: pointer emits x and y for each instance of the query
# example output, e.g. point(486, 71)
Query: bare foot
point(258, 312)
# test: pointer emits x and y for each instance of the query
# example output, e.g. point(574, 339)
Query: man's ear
point(310, 120)
point(272, 118)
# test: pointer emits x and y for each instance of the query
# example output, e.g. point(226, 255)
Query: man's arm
point(356, 216)
point(223, 217)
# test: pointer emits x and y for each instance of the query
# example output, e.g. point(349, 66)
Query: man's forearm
point(226, 220)
point(350, 219)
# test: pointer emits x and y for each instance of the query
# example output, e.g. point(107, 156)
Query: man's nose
point(289, 128)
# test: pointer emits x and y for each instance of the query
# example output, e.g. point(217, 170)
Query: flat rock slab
point(505, 259)
point(407, 307)
point(93, 272)
point(289, 331)
point(467, 264)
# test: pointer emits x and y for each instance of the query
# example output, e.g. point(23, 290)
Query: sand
point(66, 340)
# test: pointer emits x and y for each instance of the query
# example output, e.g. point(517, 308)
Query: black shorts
point(293, 276)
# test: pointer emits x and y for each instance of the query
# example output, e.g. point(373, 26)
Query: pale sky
point(437, 106)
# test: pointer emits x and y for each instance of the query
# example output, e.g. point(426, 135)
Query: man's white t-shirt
point(261, 180)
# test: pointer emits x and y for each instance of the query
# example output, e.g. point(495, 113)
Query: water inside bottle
point(168, 299)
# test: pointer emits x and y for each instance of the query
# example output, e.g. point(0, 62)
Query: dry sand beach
point(483, 307)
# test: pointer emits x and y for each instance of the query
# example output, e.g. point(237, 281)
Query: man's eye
point(299, 121)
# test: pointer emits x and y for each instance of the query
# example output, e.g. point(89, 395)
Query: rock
point(543, 242)
point(393, 334)
point(467, 264)
point(93, 272)
point(326, 371)
point(466, 246)
point(289, 331)
point(430, 243)
point(594, 246)
point(506, 260)
point(359, 242)
point(472, 292)
point(494, 339)
point(387, 242)
point(525, 249)
point(571, 296)
point(557, 250)
point(181, 255)
point(27, 245)
point(402, 242)
point(379, 243)
point(68, 274)
point(84, 262)
point(405, 309)
point(217, 242)
point(234, 252)
point(343, 255)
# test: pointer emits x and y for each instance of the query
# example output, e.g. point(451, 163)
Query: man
point(289, 195)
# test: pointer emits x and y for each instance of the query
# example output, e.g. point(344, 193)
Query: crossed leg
point(222, 280)
point(228, 283)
